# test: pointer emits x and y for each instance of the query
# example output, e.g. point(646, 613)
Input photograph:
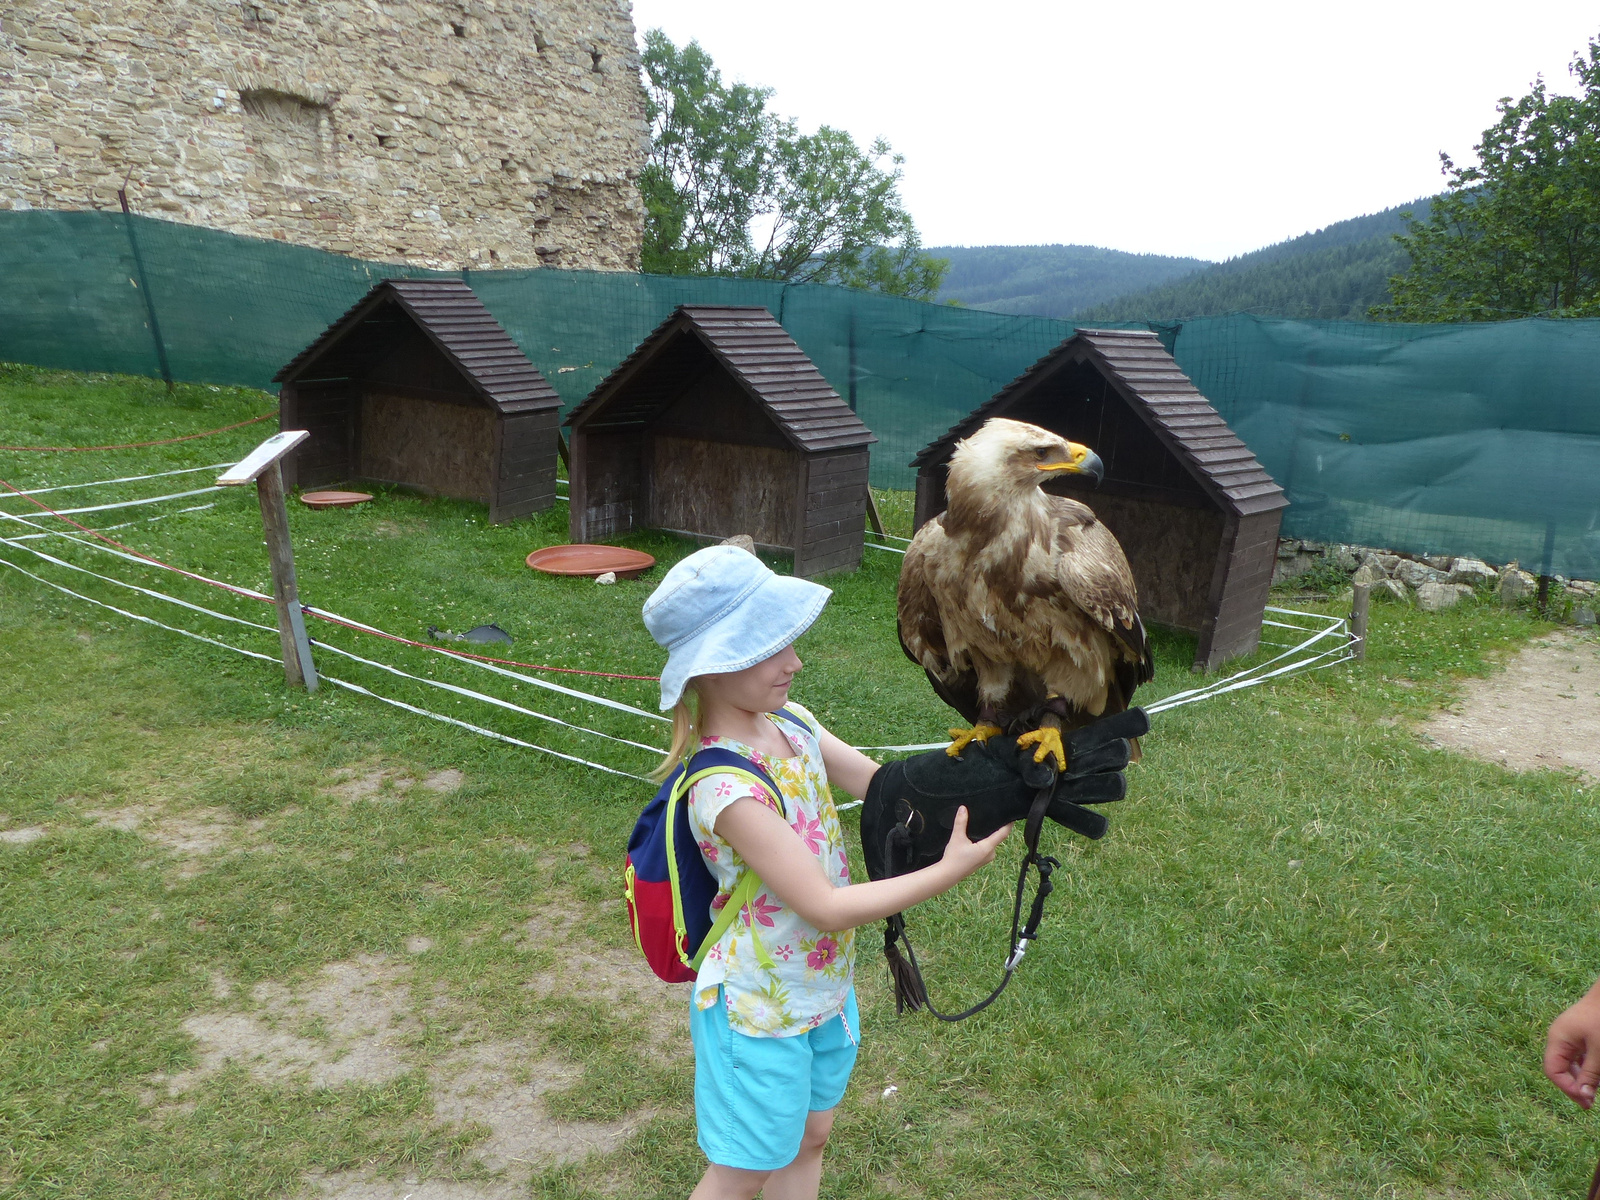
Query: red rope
point(393, 637)
point(150, 558)
point(141, 445)
point(510, 662)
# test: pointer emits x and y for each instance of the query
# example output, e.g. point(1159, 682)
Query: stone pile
point(1433, 582)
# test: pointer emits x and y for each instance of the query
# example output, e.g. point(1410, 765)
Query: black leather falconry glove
point(911, 804)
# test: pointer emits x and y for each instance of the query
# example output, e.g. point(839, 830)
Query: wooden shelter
point(1193, 509)
point(418, 385)
point(718, 424)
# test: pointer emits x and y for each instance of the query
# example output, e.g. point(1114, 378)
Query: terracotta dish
point(334, 499)
point(591, 560)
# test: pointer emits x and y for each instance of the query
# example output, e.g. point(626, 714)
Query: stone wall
point(475, 133)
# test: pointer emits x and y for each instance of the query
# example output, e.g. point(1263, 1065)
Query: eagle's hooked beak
point(1083, 461)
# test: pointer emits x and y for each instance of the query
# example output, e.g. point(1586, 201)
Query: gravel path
point(1542, 711)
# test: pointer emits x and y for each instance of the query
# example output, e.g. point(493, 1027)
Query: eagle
point(1018, 604)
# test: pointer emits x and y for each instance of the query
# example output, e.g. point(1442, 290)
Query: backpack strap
point(794, 718)
point(721, 762)
point(743, 892)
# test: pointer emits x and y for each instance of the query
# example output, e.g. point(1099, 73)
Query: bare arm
point(792, 873)
point(847, 767)
point(1572, 1049)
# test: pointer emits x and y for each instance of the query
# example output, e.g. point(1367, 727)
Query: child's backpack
point(668, 887)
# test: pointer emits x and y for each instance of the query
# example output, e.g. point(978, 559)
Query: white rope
point(222, 616)
point(518, 675)
point(28, 537)
point(889, 549)
point(1255, 681)
point(604, 701)
point(1239, 680)
point(1336, 623)
point(481, 731)
point(143, 562)
point(61, 512)
point(483, 697)
point(1296, 612)
point(1251, 676)
point(324, 677)
point(16, 544)
point(67, 487)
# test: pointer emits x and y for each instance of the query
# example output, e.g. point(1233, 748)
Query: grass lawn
point(1314, 957)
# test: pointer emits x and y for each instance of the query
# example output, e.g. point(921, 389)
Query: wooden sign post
point(1360, 604)
point(261, 466)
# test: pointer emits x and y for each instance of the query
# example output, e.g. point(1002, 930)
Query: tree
point(731, 189)
point(1517, 235)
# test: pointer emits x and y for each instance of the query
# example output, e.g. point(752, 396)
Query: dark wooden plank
point(848, 511)
point(838, 480)
point(844, 560)
point(834, 542)
point(840, 495)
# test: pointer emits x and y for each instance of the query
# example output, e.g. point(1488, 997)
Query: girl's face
point(761, 688)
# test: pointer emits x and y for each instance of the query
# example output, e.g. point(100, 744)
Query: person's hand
point(1572, 1049)
point(962, 856)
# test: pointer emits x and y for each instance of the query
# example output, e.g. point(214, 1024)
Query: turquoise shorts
point(752, 1094)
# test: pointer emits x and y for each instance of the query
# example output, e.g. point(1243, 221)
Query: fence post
point(144, 290)
point(1359, 603)
point(261, 465)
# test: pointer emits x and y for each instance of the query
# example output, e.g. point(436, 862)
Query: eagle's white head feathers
point(1008, 459)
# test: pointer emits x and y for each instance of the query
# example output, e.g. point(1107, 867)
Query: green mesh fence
point(1481, 439)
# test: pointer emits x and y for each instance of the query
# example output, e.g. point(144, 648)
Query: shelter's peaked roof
point(453, 317)
point(1151, 381)
point(756, 351)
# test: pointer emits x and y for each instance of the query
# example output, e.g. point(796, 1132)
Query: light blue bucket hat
point(723, 609)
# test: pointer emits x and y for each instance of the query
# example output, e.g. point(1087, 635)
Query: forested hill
point(1050, 281)
point(1338, 273)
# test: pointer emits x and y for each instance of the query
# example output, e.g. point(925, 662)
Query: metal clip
point(1016, 955)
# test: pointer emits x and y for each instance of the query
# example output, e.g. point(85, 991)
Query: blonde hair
point(685, 733)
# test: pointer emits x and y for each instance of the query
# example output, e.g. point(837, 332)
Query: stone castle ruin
point(444, 133)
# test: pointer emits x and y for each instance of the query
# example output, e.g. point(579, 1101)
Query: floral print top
point(811, 969)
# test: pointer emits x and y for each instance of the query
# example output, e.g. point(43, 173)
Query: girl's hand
point(962, 856)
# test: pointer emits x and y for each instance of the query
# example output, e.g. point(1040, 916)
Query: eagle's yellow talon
point(1049, 742)
point(962, 738)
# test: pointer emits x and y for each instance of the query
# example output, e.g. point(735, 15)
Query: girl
point(773, 1016)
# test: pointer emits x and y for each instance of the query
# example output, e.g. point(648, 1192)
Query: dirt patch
point(444, 782)
point(500, 1086)
point(619, 977)
point(357, 1022)
point(195, 836)
point(384, 785)
point(1542, 711)
point(350, 1186)
point(22, 836)
point(350, 1026)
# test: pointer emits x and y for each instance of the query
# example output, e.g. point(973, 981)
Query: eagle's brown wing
point(1093, 574)
point(922, 630)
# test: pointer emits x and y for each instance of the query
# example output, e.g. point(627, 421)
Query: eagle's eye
point(1041, 452)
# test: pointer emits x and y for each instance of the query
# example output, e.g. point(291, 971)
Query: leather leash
point(909, 990)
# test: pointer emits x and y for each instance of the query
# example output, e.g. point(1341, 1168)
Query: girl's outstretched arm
point(792, 873)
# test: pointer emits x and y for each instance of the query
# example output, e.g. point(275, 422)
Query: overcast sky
point(1203, 129)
